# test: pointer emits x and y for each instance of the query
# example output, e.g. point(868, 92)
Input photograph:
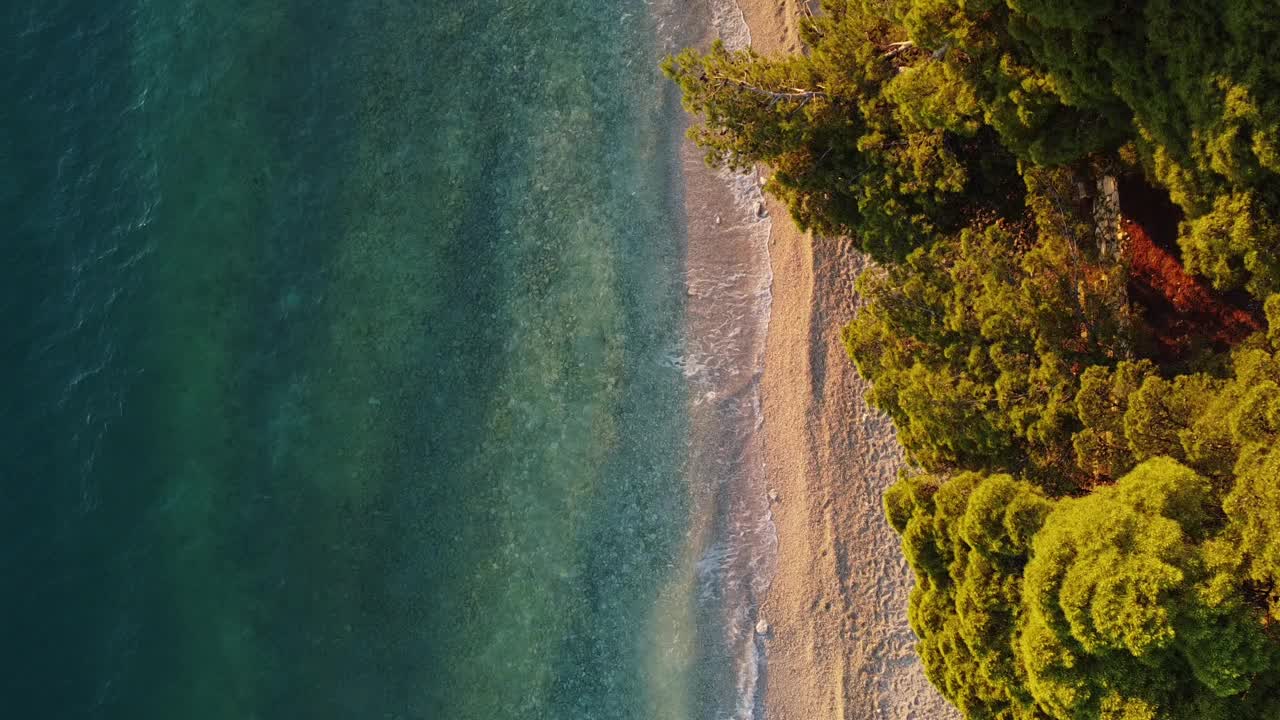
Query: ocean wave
point(728, 283)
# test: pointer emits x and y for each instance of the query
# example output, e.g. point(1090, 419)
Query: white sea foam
point(728, 282)
point(751, 532)
point(730, 24)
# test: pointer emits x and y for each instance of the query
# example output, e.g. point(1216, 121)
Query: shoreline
point(706, 653)
point(839, 644)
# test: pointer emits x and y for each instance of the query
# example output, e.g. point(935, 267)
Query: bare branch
point(894, 49)
point(775, 96)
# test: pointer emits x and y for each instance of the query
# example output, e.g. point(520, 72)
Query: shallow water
point(348, 356)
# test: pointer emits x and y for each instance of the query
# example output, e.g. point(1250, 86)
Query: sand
point(839, 645)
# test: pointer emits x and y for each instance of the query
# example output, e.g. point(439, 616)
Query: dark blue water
point(335, 338)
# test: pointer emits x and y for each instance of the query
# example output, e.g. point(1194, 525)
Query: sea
point(360, 366)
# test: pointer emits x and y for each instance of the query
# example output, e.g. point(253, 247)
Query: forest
point(1073, 319)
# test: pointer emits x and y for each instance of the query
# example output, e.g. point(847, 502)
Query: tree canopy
point(904, 111)
point(1127, 613)
point(1127, 602)
point(974, 348)
point(847, 157)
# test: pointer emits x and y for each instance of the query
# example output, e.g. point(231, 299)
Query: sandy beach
point(839, 646)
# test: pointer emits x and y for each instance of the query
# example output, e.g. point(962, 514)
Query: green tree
point(996, 55)
point(1253, 507)
point(967, 540)
point(1235, 243)
point(1161, 411)
point(1196, 86)
point(974, 349)
point(847, 159)
point(1126, 615)
point(1102, 449)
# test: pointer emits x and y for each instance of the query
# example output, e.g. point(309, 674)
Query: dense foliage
point(1124, 603)
point(1131, 607)
point(846, 157)
point(968, 538)
point(974, 349)
point(906, 109)
point(1092, 503)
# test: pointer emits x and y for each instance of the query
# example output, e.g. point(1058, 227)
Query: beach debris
point(717, 219)
point(762, 627)
point(774, 496)
point(760, 209)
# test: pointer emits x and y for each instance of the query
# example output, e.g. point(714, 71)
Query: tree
point(974, 349)
point(1161, 411)
point(1253, 507)
point(847, 159)
point(997, 55)
point(1194, 85)
point(1126, 615)
point(1235, 243)
point(967, 539)
point(1102, 448)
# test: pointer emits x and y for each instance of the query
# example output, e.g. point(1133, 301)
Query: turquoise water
point(338, 339)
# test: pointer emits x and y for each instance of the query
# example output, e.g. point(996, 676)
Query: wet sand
point(839, 645)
